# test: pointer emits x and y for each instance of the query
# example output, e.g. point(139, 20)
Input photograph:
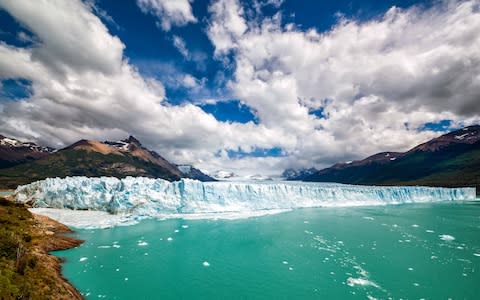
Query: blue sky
point(240, 85)
point(152, 51)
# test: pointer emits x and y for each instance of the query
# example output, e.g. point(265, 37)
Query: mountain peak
point(467, 135)
point(132, 139)
point(13, 151)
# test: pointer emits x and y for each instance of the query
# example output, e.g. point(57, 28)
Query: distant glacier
point(153, 197)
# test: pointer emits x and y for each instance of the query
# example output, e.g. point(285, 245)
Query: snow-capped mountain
point(221, 174)
point(14, 152)
point(191, 172)
point(92, 158)
point(292, 174)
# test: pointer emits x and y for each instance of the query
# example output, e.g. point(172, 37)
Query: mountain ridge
point(92, 158)
point(450, 160)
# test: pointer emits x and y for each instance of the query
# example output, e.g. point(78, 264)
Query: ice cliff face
point(153, 197)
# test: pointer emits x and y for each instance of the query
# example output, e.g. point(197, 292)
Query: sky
point(253, 87)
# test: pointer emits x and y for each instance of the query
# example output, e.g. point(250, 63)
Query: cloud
point(377, 82)
point(179, 43)
point(227, 25)
point(169, 12)
point(99, 95)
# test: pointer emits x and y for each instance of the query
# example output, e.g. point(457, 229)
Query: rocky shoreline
point(26, 241)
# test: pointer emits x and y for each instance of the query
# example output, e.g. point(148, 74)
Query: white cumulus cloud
point(91, 91)
point(169, 12)
point(375, 82)
point(357, 89)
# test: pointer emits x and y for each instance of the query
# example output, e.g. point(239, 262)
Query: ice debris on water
point(446, 237)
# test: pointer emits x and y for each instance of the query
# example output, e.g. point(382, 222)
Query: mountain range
point(22, 163)
point(14, 152)
point(451, 160)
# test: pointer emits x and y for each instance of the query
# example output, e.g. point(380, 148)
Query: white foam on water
point(104, 247)
point(83, 259)
point(106, 201)
point(206, 264)
point(430, 231)
point(169, 239)
point(476, 254)
point(184, 226)
point(142, 243)
point(446, 237)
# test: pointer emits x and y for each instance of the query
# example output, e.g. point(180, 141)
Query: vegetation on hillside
point(76, 162)
point(26, 269)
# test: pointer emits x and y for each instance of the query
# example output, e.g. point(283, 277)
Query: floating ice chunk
point(430, 231)
point(369, 218)
point(117, 270)
point(176, 230)
point(116, 246)
point(410, 269)
point(290, 268)
point(415, 225)
point(169, 239)
point(185, 226)
point(285, 262)
point(360, 281)
point(142, 243)
point(126, 279)
point(206, 264)
point(104, 247)
point(83, 259)
point(446, 237)
point(476, 254)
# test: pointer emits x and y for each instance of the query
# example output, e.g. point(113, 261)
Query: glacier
point(140, 197)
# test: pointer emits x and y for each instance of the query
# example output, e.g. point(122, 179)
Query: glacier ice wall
point(153, 197)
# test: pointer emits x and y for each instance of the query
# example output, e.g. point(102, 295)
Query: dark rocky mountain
point(14, 152)
point(189, 171)
point(450, 160)
point(94, 158)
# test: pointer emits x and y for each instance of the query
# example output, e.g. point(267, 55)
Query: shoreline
point(30, 239)
point(60, 241)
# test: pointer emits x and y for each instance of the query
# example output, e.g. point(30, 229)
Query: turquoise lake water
point(414, 251)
